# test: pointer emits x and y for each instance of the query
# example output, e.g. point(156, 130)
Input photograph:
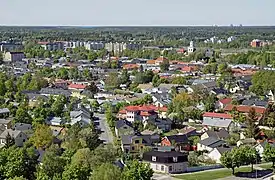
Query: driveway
point(106, 135)
point(162, 177)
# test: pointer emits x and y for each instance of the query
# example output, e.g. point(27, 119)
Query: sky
point(136, 12)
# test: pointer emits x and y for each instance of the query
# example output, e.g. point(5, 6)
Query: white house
point(209, 144)
point(217, 152)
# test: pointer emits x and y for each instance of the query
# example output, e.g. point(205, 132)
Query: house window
point(154, 158)
point(125, 127)
point(157, 167)
point(136, 141)
point(133, 148)
point(24, 140)
point(175, 159)
point(170, 168)
point(162, 168)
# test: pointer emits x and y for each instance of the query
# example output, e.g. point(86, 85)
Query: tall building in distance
point(191, 47)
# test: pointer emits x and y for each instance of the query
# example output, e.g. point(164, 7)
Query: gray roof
point(22, 126)
point(147, 139)
point(13, 133)
point(4, 110)
point(212, 142)
point(224, 123)
point(259, 103)
point(121, 123)
point(4, 121)
point(221, 134)
point(55, 91)
point(223, 149)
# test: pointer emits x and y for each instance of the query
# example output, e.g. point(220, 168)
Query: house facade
point(166, 162)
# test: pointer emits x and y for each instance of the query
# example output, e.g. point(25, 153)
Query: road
point(106, 134)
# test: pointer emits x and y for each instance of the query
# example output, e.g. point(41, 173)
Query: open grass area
point(266, 166)
point(210, 175)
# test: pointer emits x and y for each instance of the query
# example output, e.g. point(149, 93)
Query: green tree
point(112, 81)
point(125, 77)
point(156, 80)
point(106, 171)
point(42, 136)
point(179, 80)
point(22, 116)
point(231, 159)
point(252, 128)
point(269, 154)
point(136, 171)
point(80, 167)
point(164, 66)
point(53, 164)
point(9, 141)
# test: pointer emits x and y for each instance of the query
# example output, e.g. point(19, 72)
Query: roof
point(130, 66)
point(147, 139)
point(22, 126)
point(178, 138)
point(259, 103)
point(121, 123)
point(165, 156)
point(4, 110)
point(222, 149)
point(212, 142)
point(223, 123)
point(225, 101)
point(221, 134)
point(4, 121)
point(245, 109)
point(145, 108)
point(77, 86)
point(217, 115)
point(13, 133)
point(55, 91)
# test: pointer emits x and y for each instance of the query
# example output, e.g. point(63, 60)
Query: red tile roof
point(217, 115)
point(145, 108)
point(130, 66)
point(123, 111)
point(225, 101)
point(245, 109)
point(77, 86)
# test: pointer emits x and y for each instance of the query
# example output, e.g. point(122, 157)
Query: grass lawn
point(266, 166)
point(210, 175)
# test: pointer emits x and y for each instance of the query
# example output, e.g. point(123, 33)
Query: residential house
point(220, 134)
point(136, 143)
point(188, 131)
point(77, 87)
point(34, 98)
point(13, 56)
point(260, 111)
point(18, 136)
point(181, 142)
point(56, 121)
point(166, 162)
point(22, 127)
point(123, 127)
point(6, 124)
point(217, 153)
point(246, 141)
point(209, 144)
point(260, 147)
point(218, 120)
point(163, 124)
point(4, 112)
point(61, 84)
point(220, 104)
point(255, 102)
point(55, 92)
point(81, 116)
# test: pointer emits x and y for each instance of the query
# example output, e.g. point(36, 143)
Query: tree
point(222, 68)
point(58, 105)
point(42, 137)
point(156, 80)
point(112, 81)
point(80, 167)
point(252, 128)
point(9, 141)
point(231, 159)
point(179, 80)
point(269, 154)
point(164, 66)
point(106, 171)
point(93, 88)
point(22, 116)
point(125, 77)
point(53, 164)
point(137, 171)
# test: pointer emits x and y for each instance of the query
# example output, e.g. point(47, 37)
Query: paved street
point(106, 135)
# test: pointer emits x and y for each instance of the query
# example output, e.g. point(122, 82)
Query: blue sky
point(137, 12)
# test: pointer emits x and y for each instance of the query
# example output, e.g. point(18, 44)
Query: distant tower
point(191, 47)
